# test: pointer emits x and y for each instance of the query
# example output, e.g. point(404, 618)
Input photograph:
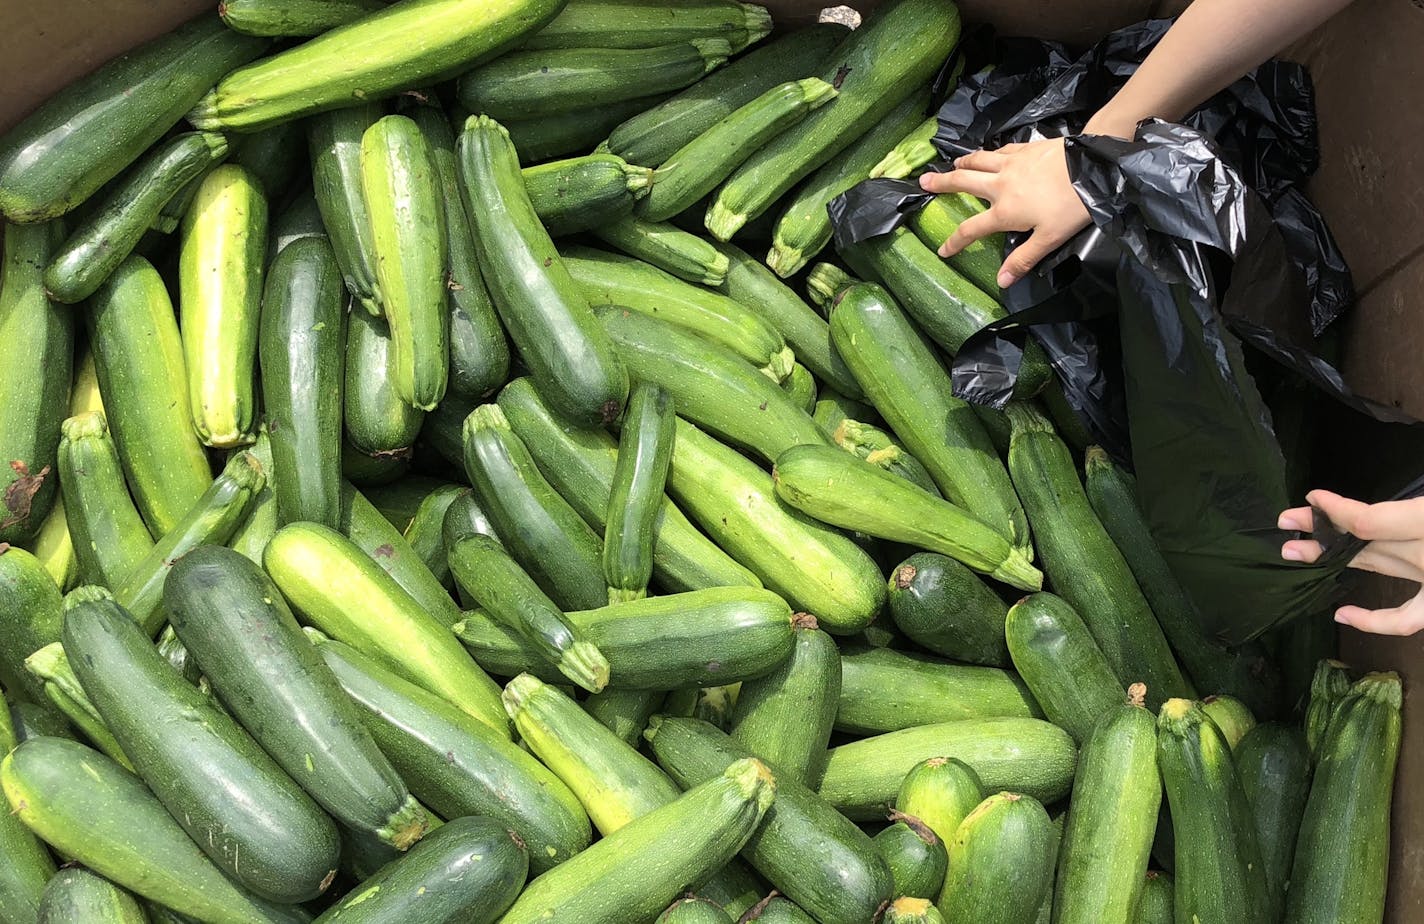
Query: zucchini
point(804, 228)
point(667, 247)
point(76, 894)
point(276, 156)
point(654, 135)
point(32, 720)
point(108, 234)
point(220, 267)
point(800, 387)
point(911, 152)
point(944, 607)
point(847, 882)
point(915, 855)
point(580, 463)
point(1000, 862)
point(634, 873)
point(912, 911)
point(940, 792)
point(425, 531)
point(903, 378)
point(812, 566)
point(895, 50)
point(1273, 762)
point(1231, 717)
point(573, 132)
point(31, 614)
point(301, 218)
point(693, 910)
point(980, 261)
point(293, 18)
point(546, 82)
point(624, 712)
point(401, 186)
point(644, 452)
point(1328, 686)
point(650, 23)
point(883, 690)
point(334, 140)
point(398, 502)
point(695, 169)
point(379, 423)
point(494, 580)
point(341, 591)
point(55, 549)
point(566, 351)
point(1082, 563)
point(91, 809)
point(1341, 867)
point(1065, 669)
point(459, 766)
point(676, 641)
point(1244, 672)
point(1111, 821)
point(612, 279)
point(776, 910)
point(244, 639)
point(1156, 906)
point(1029, 756)
point(1218, 875)
point(61, 687)
point(785, 717)
point(251, 536)
point(302, 349)
point(835, 487)
point(213, 519)
point(469, 871)
point(28, 865)
point(109, 535)
point(874, 445)
point(85, 396)
point(824, 282)
point(35, 380)
point(50, 163)
point(139, 360)
point(584, 193)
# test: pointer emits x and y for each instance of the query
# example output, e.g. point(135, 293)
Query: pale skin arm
point(1210, 46)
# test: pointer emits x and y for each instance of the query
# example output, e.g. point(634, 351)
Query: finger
point(986, 161)
point(971, 230)
point(975, 182)
point(1026, 256)
point(1392, 558)
point(1302, 550)
point(1399, 620)
point(1300, 519)
point(935, 182)
point(1389, 520)
point(1011, 148)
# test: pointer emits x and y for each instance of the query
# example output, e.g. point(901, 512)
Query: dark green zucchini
point(980, 261)
point(573, 132)
point(883, 690)
point(424, 532)
point(584, 193)
point(644, 453)
point(108, 533)
point(301, 218)
point(940, 792)
point(299, 18)
point(694, 910)
point(1273, 762)
point(1328, 686)
point(28, 865)
point(31, 614)
point(775, 909)
point(915, 855)
point(378, 422)
point(1156, 905)
point(1061, 664)
point(648, 24)
point(334, 139)
point(666, 246)
point(624, 712)
point(1000, 863)
point(77, 894)
point(277, 156)
point(945, 607)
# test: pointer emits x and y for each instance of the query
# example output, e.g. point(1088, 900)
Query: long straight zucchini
point(573, 132)
point(248, 816)
point(50, 163)
point(566, 351)
point(77, 894)
point(650, 23)
point(644, 453)
point(1000, 863)
point(667, 247)
point(1273, 762)
point(293, 18)
point(109, 535)
point(894, 51)
point(28, 865)
point(816, 568)
point(980, 261)
point(911, 152)
point(340, 590)
point(1084, 566)
point(334, 140)
point(240, 633)
point(883, 690)
point(1065, 669)
point(584, 193)
point(378, 421)
point(363, 524)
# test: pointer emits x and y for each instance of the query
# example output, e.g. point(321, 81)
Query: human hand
point(1027, 188)
point(1395, 530)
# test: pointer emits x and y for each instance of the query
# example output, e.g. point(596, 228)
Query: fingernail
point(1341, 618)
point(1289, 523)
point(1006, 279)
point(1290, 554)
point(925, 181)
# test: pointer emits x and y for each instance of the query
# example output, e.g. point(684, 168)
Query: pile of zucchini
point(429, 496)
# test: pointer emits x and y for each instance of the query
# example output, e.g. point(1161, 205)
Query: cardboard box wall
point(1369, 72)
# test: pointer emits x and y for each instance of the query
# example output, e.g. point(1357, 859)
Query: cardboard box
point(1369, 74)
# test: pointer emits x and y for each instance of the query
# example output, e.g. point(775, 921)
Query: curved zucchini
point(648, 24)
point(297, 18)
point(915, 855)
point(77, 894)
point(109, 535)
point(379, 423)
point(1000, 863)
point(667, 247)
point(1273, 762)
point(883, 690)
point(1061, 664)
point(644, 453)
point(940, 792)
point(334, 140)
point(944, 607)
point(584, 193)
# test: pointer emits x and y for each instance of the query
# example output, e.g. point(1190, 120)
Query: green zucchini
point(1111, 821)
point(580, 463)
point(469, 871)
point(695, 169)
point(340, 590)
point(944, 607)
point(1000, 862)
point(644, 453)
point(295, 18)
point(404, 205)
point(653, 136)
point(612, 279)
point(76, 894)
point(1341, 867)
point(911, 152)
point(835, 487)
point(849, 880)
point(276, 156)
point(1244, 672)
point(824, 282)
point(1273, 762)
point(584, 193)
point(912, 911)
point(460, 766)
point(712, 705)
point(694, 910)
point(31, 613)
point(96, 247)
point(1082, 563)
point(903, 378)
point(1060, 663)
point(883, 690)
point(874, 445)
point(624, 712)
point(302, 349)
point(398, 502)
point(940, 792)
point(334, 140)
point(1156, 906)
point(774, 909)
point(1231, 717)
point(1218, 875)
point(63, 690)
point(915, 855)
point(804, 228)
point(814, 567)
point(650, 23)
point(573, 132)
point(676, 641)
point(546, 82)
point(244, 639)
point(91, 809)
point(252, 534)
point(565, 349)
point(213, 519)
point(667, 247)
point(379, 423)
point(50, 163)
point(1328, 686)
point(785, 717)
point(220, 266)
point(34, 380)
point(425, 531)
point(55, 549)
point(894, 51)
point(800, 387)
point(301, 218)
point(32, 720)
point(1029, 756)
point(28, 865)
point(980, 261)
point(109, 535)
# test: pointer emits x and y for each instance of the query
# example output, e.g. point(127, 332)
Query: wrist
point(1107, 121)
